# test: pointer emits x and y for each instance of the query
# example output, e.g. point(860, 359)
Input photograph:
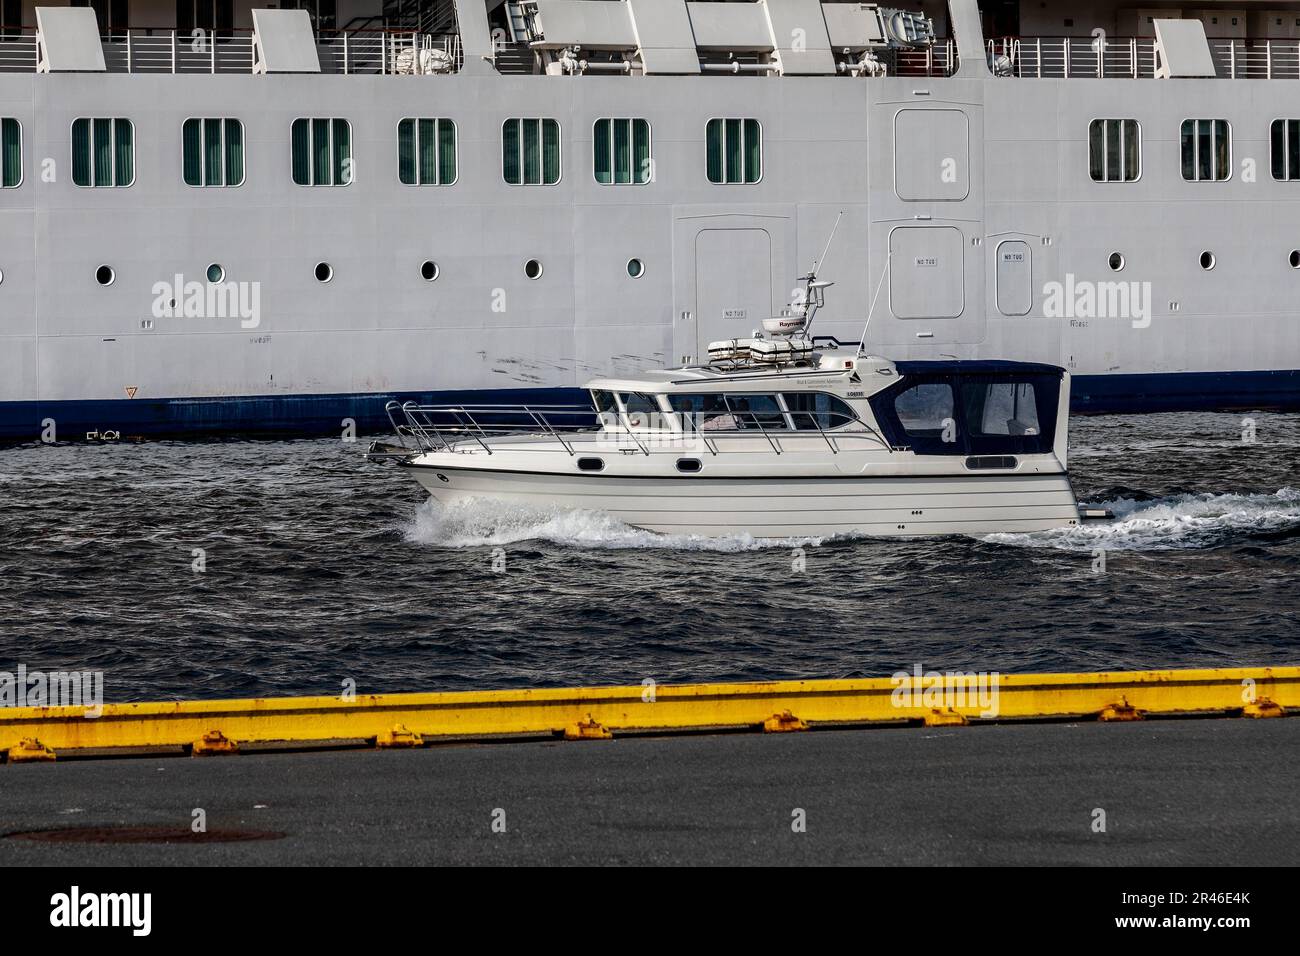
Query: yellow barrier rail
point(34, 733)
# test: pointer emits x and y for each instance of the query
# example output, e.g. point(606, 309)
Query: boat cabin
point(966, 408)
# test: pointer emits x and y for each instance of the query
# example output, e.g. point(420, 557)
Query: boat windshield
point(606, 408)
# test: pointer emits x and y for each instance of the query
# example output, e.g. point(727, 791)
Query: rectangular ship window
point(213, 152)
point(103, 152)
point(213, 17)
point(621, 151)
point(735, 150)
point(1207, 150)
point(322, 152)
point(323, 13)
point(1114, 150)
point(111, 16)
point(1286, 149)
point(11, 153)
point(530, 152)
point(426, 152)
point(11, 18)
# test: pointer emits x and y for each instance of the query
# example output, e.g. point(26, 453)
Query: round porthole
point(428, 270)
point(216, 273)
point(1207, 261)
point(2, 277)
point(1295, 259)
point(635, 268)
point(1116, 262)
point(105, 275)
point(533, 269)
point(324, 272)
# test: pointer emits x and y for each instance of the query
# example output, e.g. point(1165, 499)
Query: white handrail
point(142, 50)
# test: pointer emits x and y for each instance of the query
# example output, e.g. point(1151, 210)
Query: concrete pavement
point(1172, 792)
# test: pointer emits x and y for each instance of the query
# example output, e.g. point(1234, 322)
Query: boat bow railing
point(429, 428)
point(434, 428)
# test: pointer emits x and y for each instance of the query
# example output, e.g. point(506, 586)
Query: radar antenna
point(798, 318)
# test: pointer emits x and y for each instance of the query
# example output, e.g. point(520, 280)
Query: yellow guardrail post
point(413, 720)
point(29, 750)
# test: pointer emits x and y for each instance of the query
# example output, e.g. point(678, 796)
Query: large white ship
point(215, 216)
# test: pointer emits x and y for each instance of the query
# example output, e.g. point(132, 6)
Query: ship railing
point(1135, 57)
point(430, 428)
point(937, 59)
point(433, 428)
point(17, 50)
point(389, 52)
point(156, 50)
point(1099, 57)
point(384, 51)
point(1257, 59)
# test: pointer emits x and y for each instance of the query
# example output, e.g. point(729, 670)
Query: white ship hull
point(977, 191)
point(780, 507)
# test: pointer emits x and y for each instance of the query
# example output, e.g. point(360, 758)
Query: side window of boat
point(817, 410)
point(642, 410)
point(701, 411)
point(606, 409)
point(757, 411)
point(1001, 408)
point(925, 409)
point(729, 412)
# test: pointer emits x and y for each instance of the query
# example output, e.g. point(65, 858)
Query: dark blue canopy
point(978, 407)
point(976, 367)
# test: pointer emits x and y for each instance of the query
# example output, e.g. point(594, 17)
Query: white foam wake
point(487, 523)
point(1175, 523)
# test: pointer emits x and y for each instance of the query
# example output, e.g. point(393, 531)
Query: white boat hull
point(894, 506)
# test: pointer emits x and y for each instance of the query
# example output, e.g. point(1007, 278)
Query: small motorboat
point(778, 436)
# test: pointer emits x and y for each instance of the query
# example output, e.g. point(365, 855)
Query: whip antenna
point(814, 295)
point(862, 344)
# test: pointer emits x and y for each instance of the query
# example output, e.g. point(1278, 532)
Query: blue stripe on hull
point(324, 414)
point(1185, 392)
point(258, 414)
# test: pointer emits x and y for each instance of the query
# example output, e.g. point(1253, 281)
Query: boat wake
point(1186, 521)
point(487, 523)
point(1173, 523)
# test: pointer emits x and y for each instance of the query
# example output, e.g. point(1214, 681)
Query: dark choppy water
point(322, 567)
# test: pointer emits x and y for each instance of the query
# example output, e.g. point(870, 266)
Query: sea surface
point(241, 568)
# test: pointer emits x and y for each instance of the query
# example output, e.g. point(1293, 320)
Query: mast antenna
point(862, 344)
point(814, 296)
